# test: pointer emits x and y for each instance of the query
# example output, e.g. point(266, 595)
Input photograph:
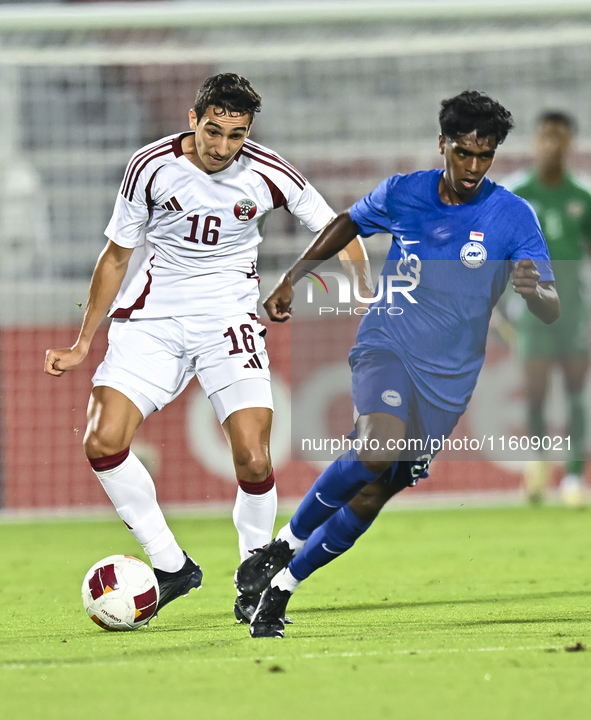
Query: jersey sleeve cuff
point(122, 242)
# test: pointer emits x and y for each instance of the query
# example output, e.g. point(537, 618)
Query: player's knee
point(369, 501)
point(253, 465)
point(378, 436)
point(377, 457)
point(102, 443)
point(378, 467)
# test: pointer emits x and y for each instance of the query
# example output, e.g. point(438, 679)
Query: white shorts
point(152, 361)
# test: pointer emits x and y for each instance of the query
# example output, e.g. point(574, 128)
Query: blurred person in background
point(563, 207)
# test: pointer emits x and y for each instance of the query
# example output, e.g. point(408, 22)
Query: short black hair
point(560, 117)
point(474, 111)
point(229, 92)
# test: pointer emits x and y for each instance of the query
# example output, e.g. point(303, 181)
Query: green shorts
point(567, 337)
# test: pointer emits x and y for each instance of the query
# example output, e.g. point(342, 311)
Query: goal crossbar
point(177, 53)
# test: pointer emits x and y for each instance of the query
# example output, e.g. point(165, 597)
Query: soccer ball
point(120, 592)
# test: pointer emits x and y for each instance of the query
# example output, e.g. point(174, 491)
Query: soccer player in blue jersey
point(458, 236)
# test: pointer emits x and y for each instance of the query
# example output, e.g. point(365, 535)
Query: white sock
point(294, 543)
point(132, 492)
point(284, 580)
point(254, 518)
point(171, 559)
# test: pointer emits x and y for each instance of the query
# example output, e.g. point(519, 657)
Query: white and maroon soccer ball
point(120, 592)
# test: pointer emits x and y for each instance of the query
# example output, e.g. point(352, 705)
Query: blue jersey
point(457, 259)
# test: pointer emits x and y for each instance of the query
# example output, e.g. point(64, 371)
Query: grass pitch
point(434, 614)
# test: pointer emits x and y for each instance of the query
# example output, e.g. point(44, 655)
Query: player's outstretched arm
point(105, 284)
point(541, 297)
point(335, 236)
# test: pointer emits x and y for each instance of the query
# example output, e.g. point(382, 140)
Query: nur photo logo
point(347, 292)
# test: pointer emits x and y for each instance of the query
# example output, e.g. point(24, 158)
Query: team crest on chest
point(245, 209)
point(473, 255)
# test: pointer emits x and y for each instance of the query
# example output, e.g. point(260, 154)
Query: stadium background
point(350, 95)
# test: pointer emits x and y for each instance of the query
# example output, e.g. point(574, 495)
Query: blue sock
point(328, 541)
point(338, 484)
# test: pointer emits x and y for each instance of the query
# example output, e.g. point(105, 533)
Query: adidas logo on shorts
point(254, 362)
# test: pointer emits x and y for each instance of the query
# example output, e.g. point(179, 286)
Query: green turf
point(445, 614)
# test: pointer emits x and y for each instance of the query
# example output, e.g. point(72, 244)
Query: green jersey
point(564, 212)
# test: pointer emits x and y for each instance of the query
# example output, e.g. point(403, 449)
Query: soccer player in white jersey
point(178, 277)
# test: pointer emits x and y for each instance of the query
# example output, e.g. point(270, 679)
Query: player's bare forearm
point(335, 236)
point(355, 261)
point(541, 297)
point(105, 284)
point(545, 303)
point(339, 233)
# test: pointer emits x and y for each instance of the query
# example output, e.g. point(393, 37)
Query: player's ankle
point(295, 543)
point(284, 580)
point(170, 559)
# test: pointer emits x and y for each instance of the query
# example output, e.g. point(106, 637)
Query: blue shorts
point(381, 384)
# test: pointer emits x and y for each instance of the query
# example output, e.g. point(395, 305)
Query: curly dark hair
point(474, 111)
point(229, 92)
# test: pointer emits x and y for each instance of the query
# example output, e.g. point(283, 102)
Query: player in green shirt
point(563, 207)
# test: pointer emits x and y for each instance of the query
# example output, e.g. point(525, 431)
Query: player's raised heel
point(257, 571)
point(173, 585)
point(269, 618)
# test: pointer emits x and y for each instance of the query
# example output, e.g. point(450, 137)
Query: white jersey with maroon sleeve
point(196, 234)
